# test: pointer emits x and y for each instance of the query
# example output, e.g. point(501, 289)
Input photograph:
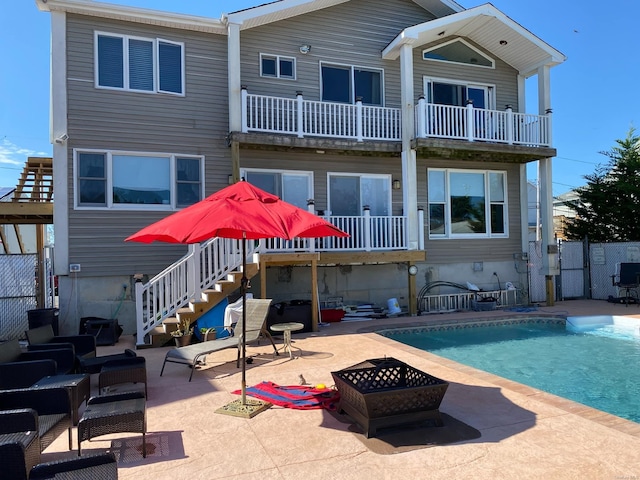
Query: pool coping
point(589, 413)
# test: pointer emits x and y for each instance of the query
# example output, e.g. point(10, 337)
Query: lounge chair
point(257, 310)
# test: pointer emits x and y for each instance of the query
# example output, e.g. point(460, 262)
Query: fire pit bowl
point(386, 392)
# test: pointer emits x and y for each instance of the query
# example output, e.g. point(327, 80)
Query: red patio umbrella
point(239, 211)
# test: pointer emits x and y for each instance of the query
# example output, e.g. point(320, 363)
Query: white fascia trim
point(392, 51)
point(276, 11)
point(134, 14)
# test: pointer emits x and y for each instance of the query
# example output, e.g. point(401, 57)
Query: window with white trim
point(467, 203)
point(458, 51)
point(294, 187)
point(349, 193)
point(277, 67)
point(345, 83)
point(110, 179)
point(139, 64)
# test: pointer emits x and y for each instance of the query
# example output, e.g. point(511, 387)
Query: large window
point(467, 203)
point(446, 92)
point(344, 84)
point(107, 179)
point(350, 193)
point(293, 187)
point(140, 64)
point(277, 66)
point(458, 51)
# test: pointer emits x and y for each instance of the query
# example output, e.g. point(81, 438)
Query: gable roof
point(283, 9)
point(488, 27)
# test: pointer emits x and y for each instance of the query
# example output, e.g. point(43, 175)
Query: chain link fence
point(17, 294)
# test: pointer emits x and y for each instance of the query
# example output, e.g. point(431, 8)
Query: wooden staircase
point(160, 336)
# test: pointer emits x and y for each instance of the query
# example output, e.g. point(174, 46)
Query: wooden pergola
point(31, 203)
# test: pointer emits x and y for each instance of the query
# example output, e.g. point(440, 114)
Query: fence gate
point(572, 271)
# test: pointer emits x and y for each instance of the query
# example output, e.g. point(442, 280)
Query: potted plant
point(183, 334)
point(208, 333)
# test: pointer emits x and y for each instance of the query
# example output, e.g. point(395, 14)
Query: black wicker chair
point(19, 450)
point(53, 408)
point(84, 345)
point(101, 466)
point(63, 356)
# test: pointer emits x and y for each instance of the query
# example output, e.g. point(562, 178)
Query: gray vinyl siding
point(321, 164)
point(503, 76)
point(353, 33)
point(487, 249)
point(195, 124)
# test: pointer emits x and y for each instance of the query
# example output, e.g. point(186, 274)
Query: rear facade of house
point(403, 122)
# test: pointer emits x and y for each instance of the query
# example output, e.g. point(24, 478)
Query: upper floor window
point(139, 64)
point(350, 193)
point(467, 203)
point(294, 187)
point(451, 92)
point(116, 179)
point(458, 51)
point(277, 66)
point(344, 84)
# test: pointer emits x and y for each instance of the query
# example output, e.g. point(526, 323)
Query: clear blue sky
point(590, 112)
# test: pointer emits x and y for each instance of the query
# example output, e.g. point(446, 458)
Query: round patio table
point(287, 328)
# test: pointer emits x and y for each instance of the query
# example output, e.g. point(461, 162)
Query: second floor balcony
point(306, 118)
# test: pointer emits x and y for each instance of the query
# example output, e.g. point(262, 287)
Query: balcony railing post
point(471, 134)
point(367, 229)
point(193, 271)
point(299, 114)
point(311, 208)
point(359, 113)
point(548, 137)
point(420, 228)
point(421, 122)
point(509, 125)
point(243, 105)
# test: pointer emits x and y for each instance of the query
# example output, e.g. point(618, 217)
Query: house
point(401, 121)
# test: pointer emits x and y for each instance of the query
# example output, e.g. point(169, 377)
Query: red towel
point(299, 396)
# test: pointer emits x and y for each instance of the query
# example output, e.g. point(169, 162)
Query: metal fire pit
point(386, 392)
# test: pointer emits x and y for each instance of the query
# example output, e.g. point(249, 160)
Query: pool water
point(599, 368)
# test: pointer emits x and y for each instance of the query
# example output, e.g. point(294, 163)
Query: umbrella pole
point(243, 288)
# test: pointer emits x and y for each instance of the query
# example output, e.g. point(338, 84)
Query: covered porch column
point(549, 246)
point(235, 99)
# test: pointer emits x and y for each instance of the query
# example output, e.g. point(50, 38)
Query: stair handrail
point(184, 280)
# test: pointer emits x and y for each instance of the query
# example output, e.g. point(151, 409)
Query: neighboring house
point(563, 214)
point(403, 120)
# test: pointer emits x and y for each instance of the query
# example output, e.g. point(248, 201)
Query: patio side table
point(287, 328)
point(117, 413)
point(79, 387)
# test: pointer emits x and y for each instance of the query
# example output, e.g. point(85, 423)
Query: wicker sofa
point(44, 337)
point(11, 352)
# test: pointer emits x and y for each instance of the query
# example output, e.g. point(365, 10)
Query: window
point(107, 179)
point(458, 51)
point(139, 64)
point(291, 186)
point(349, 193)
point(467, 203)
point(344, 84)
point(445, 92)
point(277, 66)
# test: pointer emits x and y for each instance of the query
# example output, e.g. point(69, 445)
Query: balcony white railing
point(212, 261)
point(320, 119)
point(477, 124)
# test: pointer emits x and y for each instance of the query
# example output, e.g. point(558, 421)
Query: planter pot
point(209, 334)
point(183, 341)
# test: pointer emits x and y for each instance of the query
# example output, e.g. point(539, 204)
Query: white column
point(58, 127)
point(409, 177)
point(234, 79)
point(524, 209)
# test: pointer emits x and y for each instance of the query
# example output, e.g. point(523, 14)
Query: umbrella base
point(250, 408)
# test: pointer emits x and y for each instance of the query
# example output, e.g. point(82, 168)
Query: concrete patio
point(524, 433)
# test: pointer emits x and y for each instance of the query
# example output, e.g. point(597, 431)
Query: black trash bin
point(40, 317)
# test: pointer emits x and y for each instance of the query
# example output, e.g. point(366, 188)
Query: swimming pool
point(595, 364)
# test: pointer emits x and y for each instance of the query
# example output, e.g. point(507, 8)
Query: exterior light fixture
point(396, 184)
point(304, 49)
